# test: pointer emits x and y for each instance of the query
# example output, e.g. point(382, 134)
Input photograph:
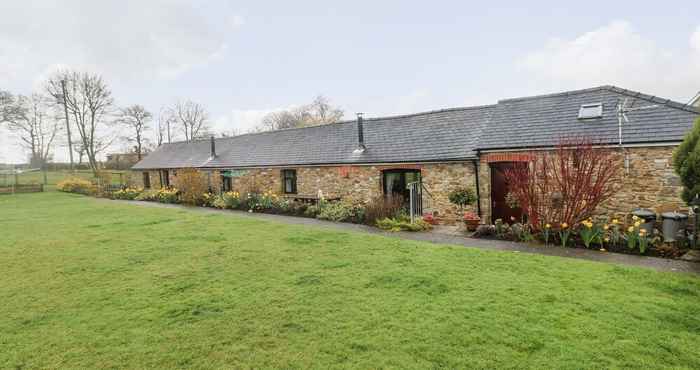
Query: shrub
point(293, 208)
point(686, 162)
point(402, 223)
point(192, 186)
point(77, 185)
point(267, 201)
point(566, 185)
point(382, 207)
point(462, 197)
point(168, 196)
point(228, 200)
point(149, 195)
point(341, 212)
point(208, 199)
point(312, 210)
point(127, 193)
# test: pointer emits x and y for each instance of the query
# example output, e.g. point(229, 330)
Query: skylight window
point(589, 111)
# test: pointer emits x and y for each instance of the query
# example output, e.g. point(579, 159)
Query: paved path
point(661, 264)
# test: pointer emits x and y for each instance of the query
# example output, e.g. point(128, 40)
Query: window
point(164, 179)
point(226, 181)
point(289, 181)
point(588, 111)
point(395, 182)
point(146, 180)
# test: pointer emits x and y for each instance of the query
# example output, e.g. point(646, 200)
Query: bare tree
point(281, 120)
point(7, 106)
point(31, 120)
point(192, 118)
point(163, 123)
point(136, 118)
point(319, 112)
point(89, 101)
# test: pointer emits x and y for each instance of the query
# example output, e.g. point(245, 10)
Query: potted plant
point(430, 218)
point(462, 197)
point(471, 220)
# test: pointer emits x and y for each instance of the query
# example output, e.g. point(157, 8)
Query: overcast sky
point(242, 59)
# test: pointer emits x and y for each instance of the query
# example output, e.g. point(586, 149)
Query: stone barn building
point(443, 150)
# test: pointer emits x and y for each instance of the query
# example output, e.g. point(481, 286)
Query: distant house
point(445, 149)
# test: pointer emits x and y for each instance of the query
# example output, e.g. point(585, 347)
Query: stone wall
point(357, 184)
point(650, 183)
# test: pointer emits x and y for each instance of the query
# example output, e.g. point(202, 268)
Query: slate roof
point(542, 120)
point(444, 135)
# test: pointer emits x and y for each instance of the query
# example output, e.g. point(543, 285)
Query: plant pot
point(471, 225)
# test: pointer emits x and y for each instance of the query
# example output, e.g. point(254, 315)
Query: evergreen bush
point(686, 162)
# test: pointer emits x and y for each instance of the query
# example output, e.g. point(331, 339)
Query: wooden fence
point(22, 188)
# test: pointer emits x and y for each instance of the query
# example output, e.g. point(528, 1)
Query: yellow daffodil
point(564, 225)
point(547, 226)
point(636, 224)
point(606, 227)
point(615, 221)
point(635, 218)
point(630, 229)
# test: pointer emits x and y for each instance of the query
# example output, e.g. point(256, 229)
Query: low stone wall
point(650, 183)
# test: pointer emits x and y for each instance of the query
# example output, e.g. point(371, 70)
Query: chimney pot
point(360, 133)
point(213, 146)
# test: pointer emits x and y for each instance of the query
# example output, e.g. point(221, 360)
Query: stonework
point(651, 183)
point(357, 184)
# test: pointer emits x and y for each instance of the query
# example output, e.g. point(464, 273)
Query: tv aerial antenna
point(622, 109)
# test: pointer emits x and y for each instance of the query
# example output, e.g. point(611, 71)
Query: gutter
point(320, 164)
point(637, 144)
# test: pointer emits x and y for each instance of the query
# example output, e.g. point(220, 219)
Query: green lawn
point(91, 284)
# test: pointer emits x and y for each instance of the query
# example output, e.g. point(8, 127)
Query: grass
point(53, 177)
point(88, 283)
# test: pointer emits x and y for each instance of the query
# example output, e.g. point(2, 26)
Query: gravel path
point(660, 264)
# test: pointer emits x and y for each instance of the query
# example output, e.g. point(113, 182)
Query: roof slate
point(444, 135)
point(449, 134)
point(542, 120)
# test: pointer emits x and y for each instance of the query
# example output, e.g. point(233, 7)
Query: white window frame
point(585, 107)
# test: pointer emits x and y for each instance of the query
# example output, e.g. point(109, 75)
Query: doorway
point(499, 191)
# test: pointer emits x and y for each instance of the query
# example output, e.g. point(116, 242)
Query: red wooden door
point(499, 190)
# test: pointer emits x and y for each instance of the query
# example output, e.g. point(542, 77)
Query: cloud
point(127, 40)
point(619, 55)
point(416, 100)
point(695, 40)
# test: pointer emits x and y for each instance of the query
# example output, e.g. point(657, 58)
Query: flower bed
point(386, 213)
point(606, 235)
